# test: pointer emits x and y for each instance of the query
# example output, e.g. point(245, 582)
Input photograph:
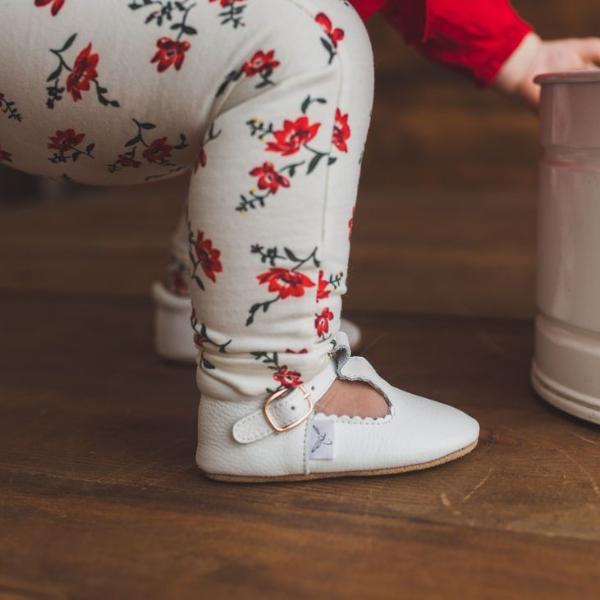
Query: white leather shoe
point(285, 438)
point(173, 336)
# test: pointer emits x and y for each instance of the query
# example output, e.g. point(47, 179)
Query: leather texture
point(285, 411)
point(416, 430)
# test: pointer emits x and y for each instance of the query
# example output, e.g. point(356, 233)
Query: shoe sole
point(363, 473)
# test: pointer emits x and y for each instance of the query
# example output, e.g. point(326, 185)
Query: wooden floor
point(100, 497)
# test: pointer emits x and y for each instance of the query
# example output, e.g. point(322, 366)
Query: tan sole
point(364, 473)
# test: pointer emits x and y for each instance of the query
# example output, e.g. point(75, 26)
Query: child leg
point(271, 203)
point(173, 338)
point(269, 217)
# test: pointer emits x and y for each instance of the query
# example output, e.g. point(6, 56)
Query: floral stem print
point(203, 256)
point(341, 131)
point(56, 5)
point(5, 156)
point(285, 282)
point(232, 12)
point(333, 35)
point(157, 152)
point(327, 284)
point(201, 158)
point(283, 375)
point(291, 138)
point(201, 339)
point(66, 143)
point(260, 63)
point(81, 74)
point(322, 323)
point(8, 107)
point(170, 52)
point(295, 135)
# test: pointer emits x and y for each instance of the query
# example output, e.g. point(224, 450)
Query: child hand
point(535, 56)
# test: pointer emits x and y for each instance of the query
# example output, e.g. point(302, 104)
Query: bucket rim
point(580, 76)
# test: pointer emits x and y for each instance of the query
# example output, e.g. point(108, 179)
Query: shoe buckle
point(280, 394)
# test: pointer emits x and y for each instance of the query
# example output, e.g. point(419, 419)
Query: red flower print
point(293, 135)
point(170, 52)
point(157, 151)
point(56, 5)
point(269, 178)
point(84, 71)
point(208, 257)
point(260, 61)
point(66, 140)
point(285, 282)
point(66, 143)
point(128, 161)
point(335, 34)
point(322, 322)
point(178, 284)
point(200, 159)
point(351, 222)
point(322, 291)
point(5, 156)
point(287, 378)
point(225, 3)
point(171, 15)
point(341, 131)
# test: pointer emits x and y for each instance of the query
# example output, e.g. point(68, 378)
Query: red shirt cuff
point(474, 38)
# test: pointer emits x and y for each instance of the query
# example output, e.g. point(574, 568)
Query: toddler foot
point(352, 398)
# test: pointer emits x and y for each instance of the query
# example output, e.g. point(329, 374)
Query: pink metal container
point(566, 367)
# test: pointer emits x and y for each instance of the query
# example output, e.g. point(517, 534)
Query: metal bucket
point(566, 366)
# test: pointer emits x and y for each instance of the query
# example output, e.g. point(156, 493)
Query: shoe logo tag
point(322, 440)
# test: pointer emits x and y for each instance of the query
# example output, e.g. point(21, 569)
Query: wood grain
point(467, 252)
point(100, 497)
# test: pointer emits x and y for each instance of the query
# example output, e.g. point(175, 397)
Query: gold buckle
point(283, 392)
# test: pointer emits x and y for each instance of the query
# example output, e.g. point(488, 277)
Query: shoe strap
point(341, 348)
point(287, 411)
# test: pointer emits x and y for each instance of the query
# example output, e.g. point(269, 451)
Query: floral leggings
point(267, 102)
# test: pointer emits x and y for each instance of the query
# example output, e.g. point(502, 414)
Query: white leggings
point(267, 101)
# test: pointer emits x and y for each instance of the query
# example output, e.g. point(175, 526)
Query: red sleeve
point(366, 8)
point(475, 37)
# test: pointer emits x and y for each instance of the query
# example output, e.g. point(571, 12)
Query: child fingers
point(590, 50)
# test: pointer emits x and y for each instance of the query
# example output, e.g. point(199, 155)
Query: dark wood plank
point(109, 241)
point(462, 252)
